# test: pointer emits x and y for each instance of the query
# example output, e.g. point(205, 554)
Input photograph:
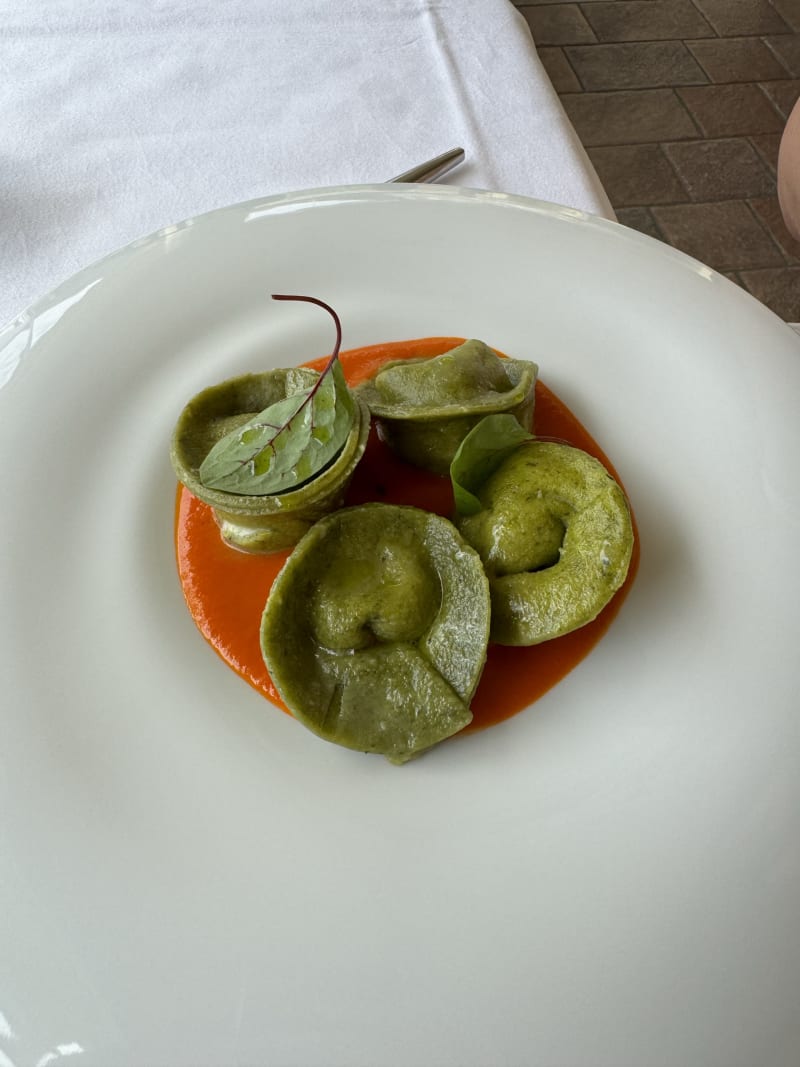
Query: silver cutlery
point(433, 168)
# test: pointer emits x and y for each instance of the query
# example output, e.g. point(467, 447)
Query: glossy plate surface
point(187, 877)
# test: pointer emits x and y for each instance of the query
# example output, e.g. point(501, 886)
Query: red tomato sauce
point(226, 590)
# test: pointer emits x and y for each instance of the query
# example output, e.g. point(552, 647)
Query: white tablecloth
point(120, 117)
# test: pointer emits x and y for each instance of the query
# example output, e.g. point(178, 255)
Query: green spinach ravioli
point(555, 535)
point(424, 407)
point(375, 631)
point(270, 522)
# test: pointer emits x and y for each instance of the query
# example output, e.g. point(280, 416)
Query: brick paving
point(681, 104)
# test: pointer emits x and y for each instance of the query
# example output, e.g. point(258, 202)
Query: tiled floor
point(681, 104)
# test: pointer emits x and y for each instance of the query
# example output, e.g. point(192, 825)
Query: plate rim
point(318, 196)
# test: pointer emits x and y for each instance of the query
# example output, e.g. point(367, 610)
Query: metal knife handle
point(433, 169)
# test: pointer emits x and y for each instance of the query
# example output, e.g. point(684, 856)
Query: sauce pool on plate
point(226, 589)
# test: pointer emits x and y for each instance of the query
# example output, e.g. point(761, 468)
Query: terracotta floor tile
point(787, 49)
point(769, 213)
point(557, 24)
point(684, 161)
point(629, 117)
point(725, 236)
point(640, 65)
point(641, 219)
point(767, 145)
point(733, 276)
point(789, 10)
point(737, 59)
point(559, 71)
point(733, 18)
point(778, 289)
point(783, 94)
point(637, 175)
point(721, 170)
point(646, 20)
point(731, 110)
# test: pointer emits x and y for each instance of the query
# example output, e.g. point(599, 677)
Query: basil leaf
point(480, 454)
point(287, 443)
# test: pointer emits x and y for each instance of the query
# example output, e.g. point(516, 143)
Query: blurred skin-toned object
point(789, 173)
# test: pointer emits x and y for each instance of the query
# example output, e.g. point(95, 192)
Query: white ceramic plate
point(190, 878)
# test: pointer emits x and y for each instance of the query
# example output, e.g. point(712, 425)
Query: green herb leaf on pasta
point(480, 454)
point(289, 442)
